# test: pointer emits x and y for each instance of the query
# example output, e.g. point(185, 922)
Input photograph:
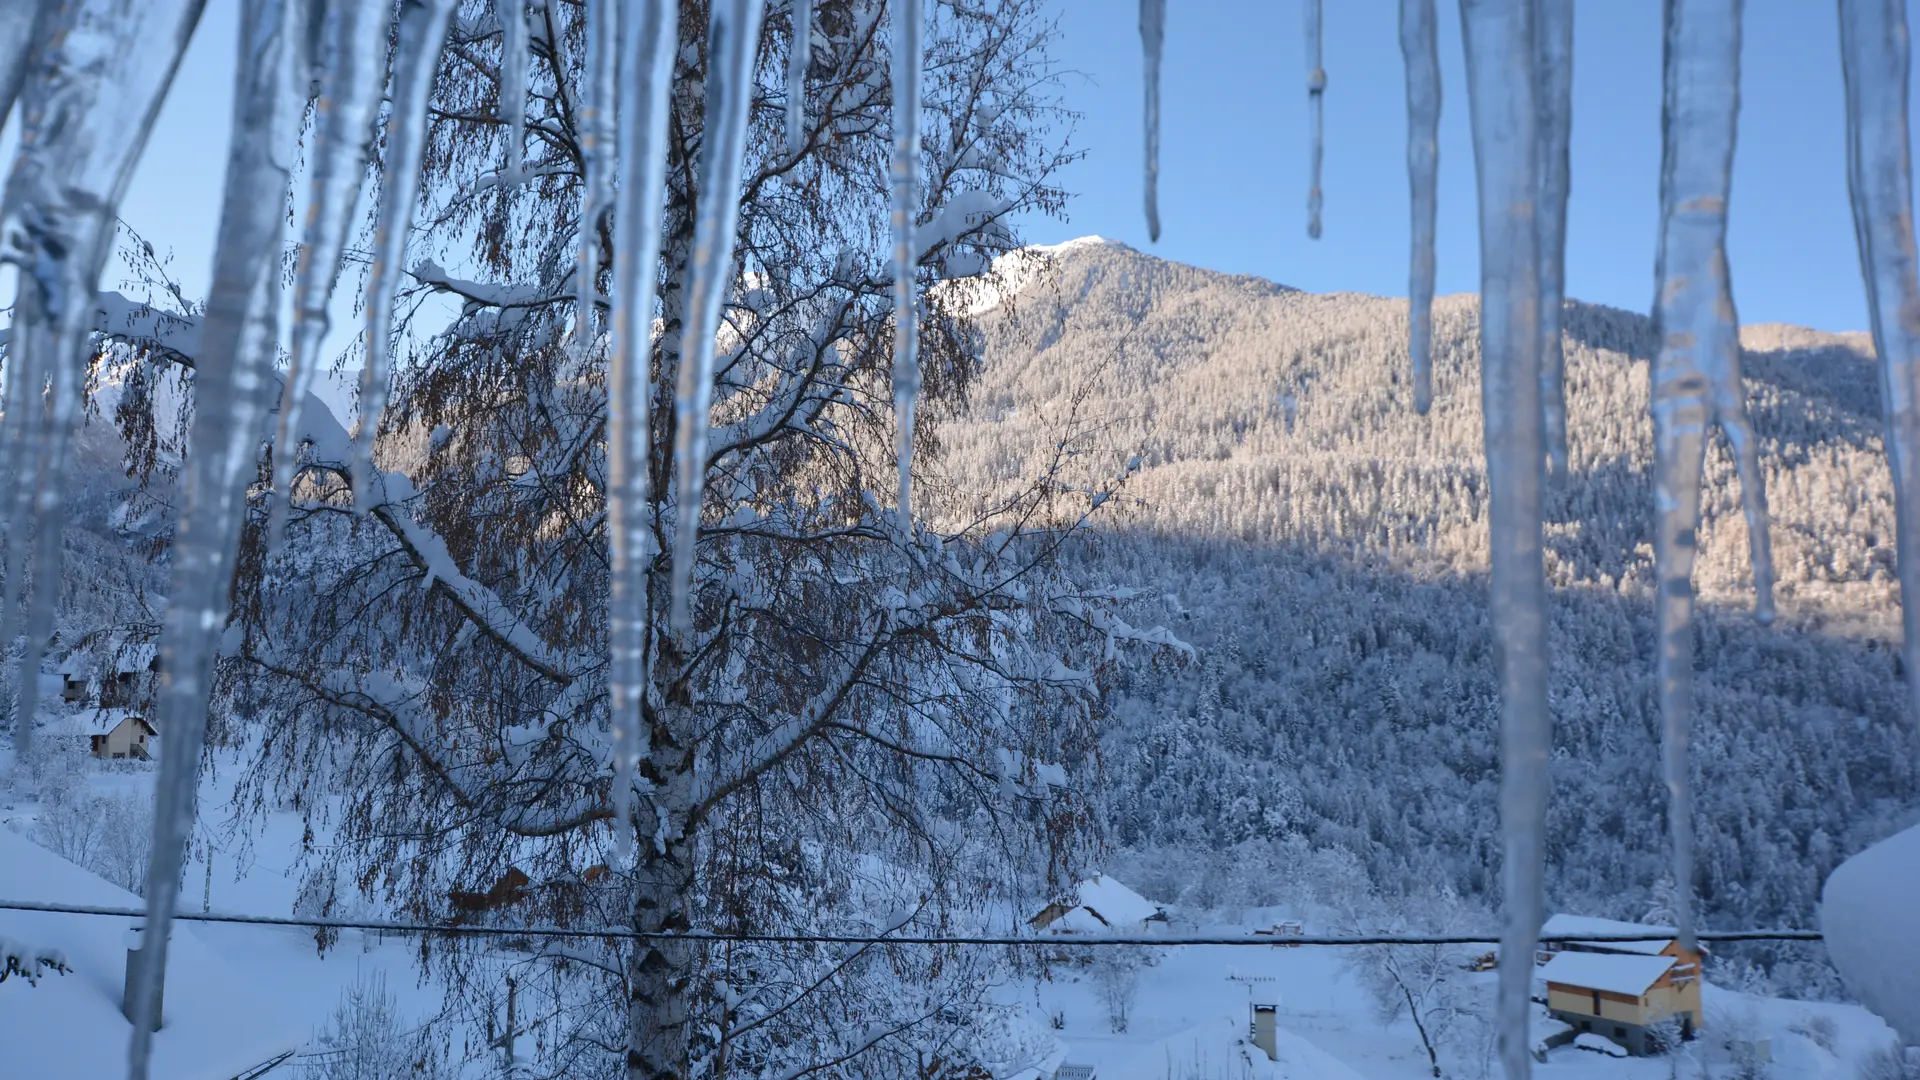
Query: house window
point(1619, 1032)
point(1596, 1003)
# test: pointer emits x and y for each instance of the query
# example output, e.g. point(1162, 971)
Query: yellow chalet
point(1620, 989)
point(117, 733)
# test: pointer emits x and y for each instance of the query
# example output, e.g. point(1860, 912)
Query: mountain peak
point(1077, 242)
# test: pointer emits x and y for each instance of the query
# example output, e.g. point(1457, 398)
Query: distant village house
point(1621, 990)
point(109, 673)
point(1103, 906)
point(118, 734)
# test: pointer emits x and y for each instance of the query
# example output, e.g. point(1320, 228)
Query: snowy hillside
point(1326, 549)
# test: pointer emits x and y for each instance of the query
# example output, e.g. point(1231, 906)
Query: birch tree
point(871, 725)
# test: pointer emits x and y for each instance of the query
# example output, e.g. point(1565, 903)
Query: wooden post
point(506, 1040)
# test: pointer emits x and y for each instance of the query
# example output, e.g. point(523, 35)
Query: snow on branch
point(118, 318)
point(477, 785)
point(481, 605)
point(478, 294)
point(1117, 629)
point(330, 449)
point(30, 962)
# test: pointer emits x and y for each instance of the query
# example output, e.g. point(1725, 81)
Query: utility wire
point(1156, 940)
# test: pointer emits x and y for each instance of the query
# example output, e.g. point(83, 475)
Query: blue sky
point(1233, 166)
point(1233, 171)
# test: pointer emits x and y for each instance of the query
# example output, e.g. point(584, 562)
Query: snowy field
point(1190, 1022)
point(1188, 1016)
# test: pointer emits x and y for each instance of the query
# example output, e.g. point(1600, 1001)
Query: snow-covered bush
point(111, 835)
point(1820, 1030)
point(1115, 973)
point(1427, 984)
point(1890, 1062)
point(1739, 1033)
point(366, 1040)
point(29, 962)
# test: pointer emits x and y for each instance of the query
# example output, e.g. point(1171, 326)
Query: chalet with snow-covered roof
point(222, 1016)
point(1102, 906)
point(116, 734)
point(1622, 990)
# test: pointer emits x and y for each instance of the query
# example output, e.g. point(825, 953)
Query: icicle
point(799, 53)
point(83, 127)
point(422, 36)
point(1153, 36)
point(733, 35)
point(354, 48)
point(596, 146)
point(1696, 372)
point(906, 166)
point(649, 38)
point(1875, 55)
point(1553, 57)
point(1316, 89)
point(1501, 99)
point(25, 417)
point(232, 374)
point(20, 27)
point(1422, 53)
point(512, 92)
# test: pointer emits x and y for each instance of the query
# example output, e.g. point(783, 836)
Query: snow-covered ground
point(256, 873)
point(1189, 1018)
point(1190, 1021)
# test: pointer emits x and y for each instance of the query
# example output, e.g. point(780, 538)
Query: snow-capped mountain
point(1326, 549)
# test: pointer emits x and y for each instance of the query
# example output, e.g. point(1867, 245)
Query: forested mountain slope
point(1325, 548)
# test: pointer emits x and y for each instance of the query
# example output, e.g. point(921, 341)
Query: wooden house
point(1103, 906)
point(1622, 990)
point(118, 734)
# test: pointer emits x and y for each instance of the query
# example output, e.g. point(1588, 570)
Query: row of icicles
point(1520, 94)
point(86, 129)
point(60, 242)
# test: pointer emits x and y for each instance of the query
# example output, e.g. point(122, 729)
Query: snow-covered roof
point(1078, 921)
point(103, 721)
point(216, 1025)
point(1104, 905)
point(1114, 903)
point(1615, 973)
point(1576, 925)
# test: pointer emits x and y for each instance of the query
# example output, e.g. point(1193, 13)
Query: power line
point(1268, 941)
